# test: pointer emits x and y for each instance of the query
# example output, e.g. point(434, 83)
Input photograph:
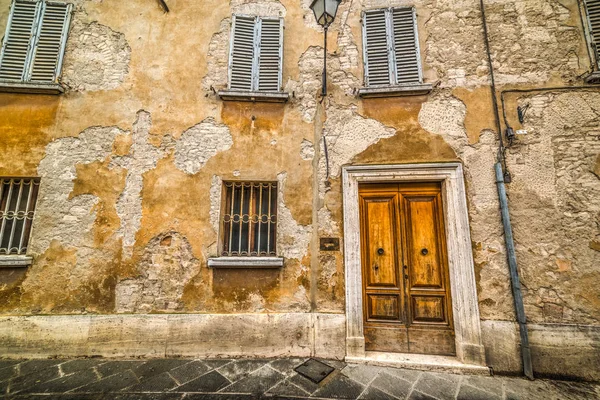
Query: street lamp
point(325, 11)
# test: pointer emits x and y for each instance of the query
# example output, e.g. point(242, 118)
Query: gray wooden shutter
point(51, 41)
point(20, 31)
point(406, 46)
point(593, 12)
point(270, 54)
point(242, 53)
point(376, 48)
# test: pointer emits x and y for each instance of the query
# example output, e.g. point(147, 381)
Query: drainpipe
point(514, 273)
point(501, 173)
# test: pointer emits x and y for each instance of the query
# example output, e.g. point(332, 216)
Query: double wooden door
point(406, 292)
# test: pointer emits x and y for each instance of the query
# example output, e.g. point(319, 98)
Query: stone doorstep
point(421, 362)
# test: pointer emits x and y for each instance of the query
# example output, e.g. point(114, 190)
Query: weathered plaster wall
point(132, 158)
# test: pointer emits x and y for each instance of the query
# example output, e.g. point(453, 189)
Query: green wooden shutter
point(593, 12)
point(242, 53)
point(270, 55)
point(376, 48)
point(51, 40)
point(406, 46)
point(18, 40)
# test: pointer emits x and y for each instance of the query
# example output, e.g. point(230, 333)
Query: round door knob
point(380, 251)
point(424, 252)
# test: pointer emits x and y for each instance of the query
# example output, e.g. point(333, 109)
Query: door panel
point(383, 338)
point(422, 250)
point(428, 309)
point(383, 306)
point(383, 296)
point(406, 295)
point(381, 253)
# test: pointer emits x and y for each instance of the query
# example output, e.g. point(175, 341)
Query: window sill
point(28, 87)
point(593, 78)
point(269, 97)
point(245, 262)
point(15, 261)
point(394, 91)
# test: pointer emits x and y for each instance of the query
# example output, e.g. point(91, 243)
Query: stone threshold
point(424, 362)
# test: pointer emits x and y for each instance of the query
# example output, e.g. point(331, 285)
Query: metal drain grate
point(314, 370)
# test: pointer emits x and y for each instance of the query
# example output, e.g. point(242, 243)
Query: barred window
point(18, 197)
point(249, 219)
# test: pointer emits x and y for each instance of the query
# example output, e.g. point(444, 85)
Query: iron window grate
point(249, 219)
point(18, 197)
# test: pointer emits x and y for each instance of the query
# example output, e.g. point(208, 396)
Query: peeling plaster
point(307, 150)
point(96, 57)
point(57, 216)
point(293, 239)
point(200, 143)
point(262, 8)
point(348, 134)
point(142, 158)
point(167, 266)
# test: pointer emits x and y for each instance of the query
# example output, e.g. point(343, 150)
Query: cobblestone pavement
point(171, 379)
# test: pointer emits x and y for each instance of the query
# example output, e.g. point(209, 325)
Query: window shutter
point(406, 46)
point(51, 41)
point(270, 55)
point(593, 11)
point(18, 40)
point(376, 48)
point(242, 52)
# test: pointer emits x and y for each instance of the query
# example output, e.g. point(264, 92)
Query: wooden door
point(406, 293)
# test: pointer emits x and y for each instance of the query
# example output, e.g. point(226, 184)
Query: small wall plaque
point(330, 244)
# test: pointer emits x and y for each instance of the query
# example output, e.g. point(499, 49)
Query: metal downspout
point(514, 273)
point(501, 172)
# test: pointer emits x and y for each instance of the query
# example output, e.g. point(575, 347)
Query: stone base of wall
point(172, 335)
point(557, 351)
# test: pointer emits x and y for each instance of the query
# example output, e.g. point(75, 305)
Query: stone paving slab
point(225, 379)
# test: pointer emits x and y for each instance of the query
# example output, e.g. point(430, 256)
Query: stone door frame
point(465, 308)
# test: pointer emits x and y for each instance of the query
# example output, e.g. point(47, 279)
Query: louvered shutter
point(376, 48)
point(18, 40)
point(406, 47)
point(593, 11)
point(270, 54)
point(242, 52)
point(51, 40)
